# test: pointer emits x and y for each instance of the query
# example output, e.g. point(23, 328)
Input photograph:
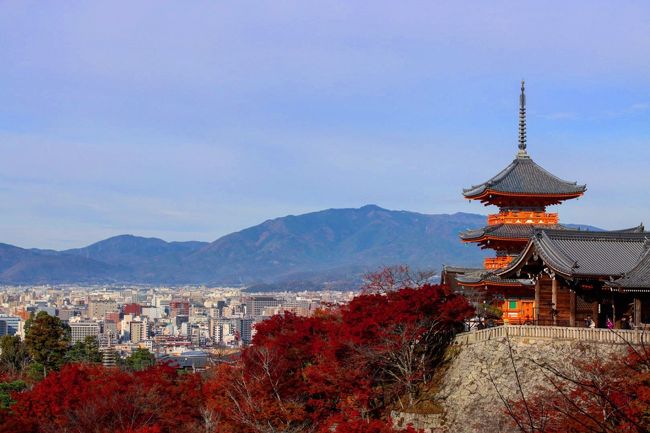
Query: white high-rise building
point(80, 330)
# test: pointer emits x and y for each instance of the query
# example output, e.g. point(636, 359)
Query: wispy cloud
point(559, 115)
point(630, 110)
point(627, 111)
point(109, 121)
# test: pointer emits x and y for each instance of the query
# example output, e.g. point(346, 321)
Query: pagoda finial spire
point(522, 121)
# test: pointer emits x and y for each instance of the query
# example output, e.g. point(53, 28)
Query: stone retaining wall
point(469, 397)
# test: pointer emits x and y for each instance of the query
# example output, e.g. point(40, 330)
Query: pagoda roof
point(577, 253)
point(523, 177)
point(505, 231)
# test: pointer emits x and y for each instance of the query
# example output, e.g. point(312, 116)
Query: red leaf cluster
point(596, 395)
point(93, 399)
point(341, 370)
point(365, 358)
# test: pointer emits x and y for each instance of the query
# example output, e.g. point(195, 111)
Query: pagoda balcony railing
point(496, 262)
point(523, 217)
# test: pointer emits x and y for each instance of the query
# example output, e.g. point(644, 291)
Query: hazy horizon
point(209, 240)
point(191, 121)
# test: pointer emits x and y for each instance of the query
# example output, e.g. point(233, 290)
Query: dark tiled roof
point(506, 231)
point(638, 277)
point(489, 277)
point(638, 229)
point(584, 254)
point(523, 176)
point(460, 269)
point(471, 275)
point(450, 273)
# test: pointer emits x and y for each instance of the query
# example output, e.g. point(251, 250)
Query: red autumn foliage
point(92, 399)
point(352, 422)
point(595, 395)
point(367, 357)
point(341, 370)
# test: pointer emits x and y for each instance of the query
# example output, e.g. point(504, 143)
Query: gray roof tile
point(506, 231)
point(638, 277)
point(578, 253)
point(524, 176)
point(485, 277)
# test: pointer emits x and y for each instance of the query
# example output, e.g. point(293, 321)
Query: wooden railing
point(522, 217)
point(497, 262)
point(596, 335)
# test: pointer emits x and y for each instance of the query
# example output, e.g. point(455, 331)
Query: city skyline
point(190, 122)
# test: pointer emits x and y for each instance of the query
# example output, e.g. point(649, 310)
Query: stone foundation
point(468, 397)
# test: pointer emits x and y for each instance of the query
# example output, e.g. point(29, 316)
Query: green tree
point(28, 323)
point(47, 341)
point(6, 389)
point(140, 359)
point(14, 357)
point(86, 351)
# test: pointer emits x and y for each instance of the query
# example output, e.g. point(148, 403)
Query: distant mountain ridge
point(329, 247)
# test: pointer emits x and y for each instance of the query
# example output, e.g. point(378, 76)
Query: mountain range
point(330, 248)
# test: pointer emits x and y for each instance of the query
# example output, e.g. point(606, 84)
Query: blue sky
point(189, 120)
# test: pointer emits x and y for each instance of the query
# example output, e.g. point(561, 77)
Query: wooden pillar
point(637, 312)
point(537, 300)
point(554, 299)
point(572, 308)
point(595, 312)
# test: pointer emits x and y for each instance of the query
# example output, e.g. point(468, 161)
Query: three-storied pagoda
point(522, 191)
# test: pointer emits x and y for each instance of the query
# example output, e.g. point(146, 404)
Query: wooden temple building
point(544, 272)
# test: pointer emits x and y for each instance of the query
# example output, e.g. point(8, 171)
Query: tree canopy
point(86, 351)
point(140, 359)
point(14, 356)
point(343, 370)
point(47, 342)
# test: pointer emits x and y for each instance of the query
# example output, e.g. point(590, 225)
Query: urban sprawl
point(188, 327)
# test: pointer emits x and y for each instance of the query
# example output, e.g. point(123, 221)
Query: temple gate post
point(572, 308)
point(537, 299)
point(554, 299)
point(637, 311)
point(595, 312)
